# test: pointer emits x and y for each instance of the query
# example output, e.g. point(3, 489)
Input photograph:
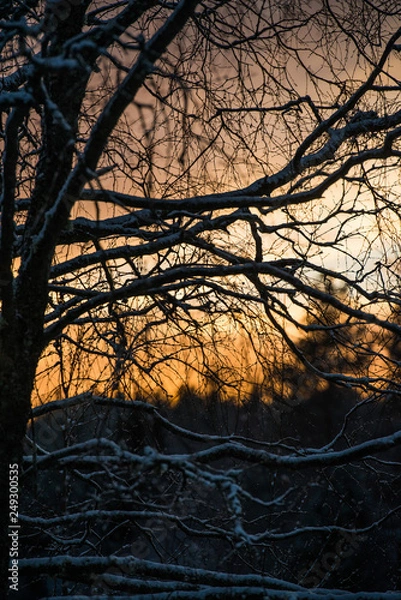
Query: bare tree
point(175, 173)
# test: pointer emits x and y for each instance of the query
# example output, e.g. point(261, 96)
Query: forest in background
point(314, 526)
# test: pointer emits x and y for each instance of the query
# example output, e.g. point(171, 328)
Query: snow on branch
point(213, 584)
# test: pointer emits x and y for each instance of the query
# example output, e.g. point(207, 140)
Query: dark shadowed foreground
point(212, 497)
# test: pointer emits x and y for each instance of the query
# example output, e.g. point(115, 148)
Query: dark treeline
point(346, 516)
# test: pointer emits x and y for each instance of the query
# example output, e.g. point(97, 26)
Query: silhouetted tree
point(177, 177)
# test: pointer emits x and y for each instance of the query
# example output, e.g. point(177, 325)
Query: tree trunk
point(15, 392)
point(20, 348)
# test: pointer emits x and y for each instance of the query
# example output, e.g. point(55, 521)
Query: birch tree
point(172, 171)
